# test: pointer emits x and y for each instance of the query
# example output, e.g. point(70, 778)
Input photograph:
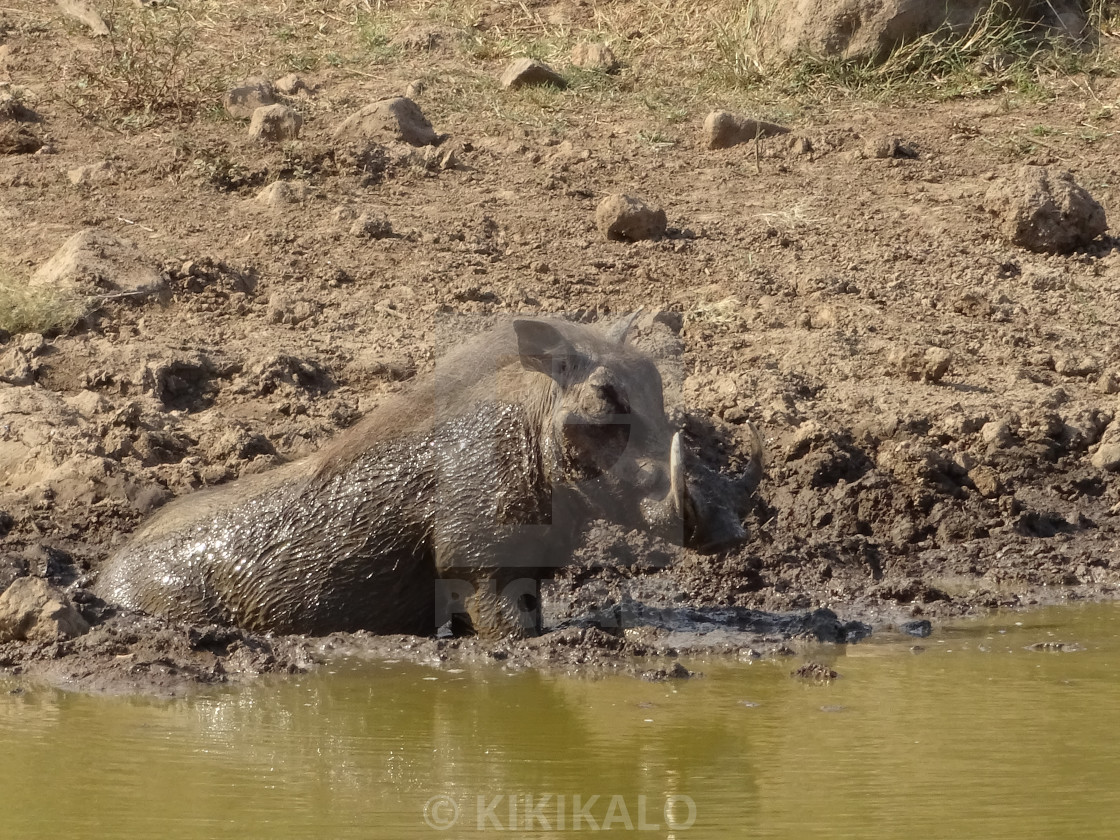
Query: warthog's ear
point(543, 348)
point(617, 331)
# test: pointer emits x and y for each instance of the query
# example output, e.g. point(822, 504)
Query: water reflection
point(976, 736)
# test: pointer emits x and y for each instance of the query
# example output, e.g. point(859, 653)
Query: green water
point(974, 737)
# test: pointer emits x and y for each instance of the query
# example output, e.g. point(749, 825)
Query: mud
point(937, 403)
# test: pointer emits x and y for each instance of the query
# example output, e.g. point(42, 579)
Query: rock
point(1045, 210)
point(343, 213)
point(723, 129)
point(1107, 456)
point(371, 227)
point(986, 481)
point(677, 672)
point(870, 29)
point(102, 172)
point(414, 88)
point(396, 119)
point(1108, 383)
point(920, 628)
point(625, 218)
point(815, 672)
point(283, 192)
point(928, 365)
point(31, 610)
point(291, 85)
point(1081, 365)
point(594, 57)
point(281, 310)
point(525, 72)
point(16, 367)
point(996, 433)
point(93, 261)
point(887, 146)
point(937, 363)
point(253, 93)
point(275, 123)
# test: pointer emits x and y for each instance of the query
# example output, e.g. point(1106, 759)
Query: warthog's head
point(608, 442)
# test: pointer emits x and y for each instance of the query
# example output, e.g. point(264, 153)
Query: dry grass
point(151, 64)
point(42, 309)
point(1001, 51)
point(679, 58)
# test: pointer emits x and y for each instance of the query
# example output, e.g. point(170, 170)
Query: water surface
point(976, 736)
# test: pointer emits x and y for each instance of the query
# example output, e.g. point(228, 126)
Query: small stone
point(1108, 383)
point(801, 146)
point(628, 219)
point(1084, 365)
point(414, 88)
point(275, 123)
point(283, 192)
point(371, 227)
point(343, 213)
point(815, 672)
point(281, 310)
point(1045, 210)
point(33, 610)
point(937, 363)
point(986, 481)
point(103, 172)
point(919, 628)
point(996, 433)
point(929, 365)
point(594, 57)
point(525, 72)
point(396, 119)
point(16, 367)
point(723, 129)
point(253, 93)
point(291, 84)
point(886, 146)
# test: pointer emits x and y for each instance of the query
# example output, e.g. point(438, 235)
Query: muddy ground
point(807, 279)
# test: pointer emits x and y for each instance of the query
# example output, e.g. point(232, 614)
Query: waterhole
point(1000, 728)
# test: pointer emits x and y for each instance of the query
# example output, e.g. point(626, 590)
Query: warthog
point(451, 501)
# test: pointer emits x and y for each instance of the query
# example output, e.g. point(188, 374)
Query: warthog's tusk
point(752, 473)
point(676, 474)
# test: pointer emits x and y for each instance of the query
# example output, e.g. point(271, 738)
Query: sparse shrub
point(149, 65)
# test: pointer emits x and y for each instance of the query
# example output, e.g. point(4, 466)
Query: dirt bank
point(938, 404)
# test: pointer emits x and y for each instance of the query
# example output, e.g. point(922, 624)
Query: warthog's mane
point(485, 368)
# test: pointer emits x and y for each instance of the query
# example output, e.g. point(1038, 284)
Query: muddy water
point(976, 736)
